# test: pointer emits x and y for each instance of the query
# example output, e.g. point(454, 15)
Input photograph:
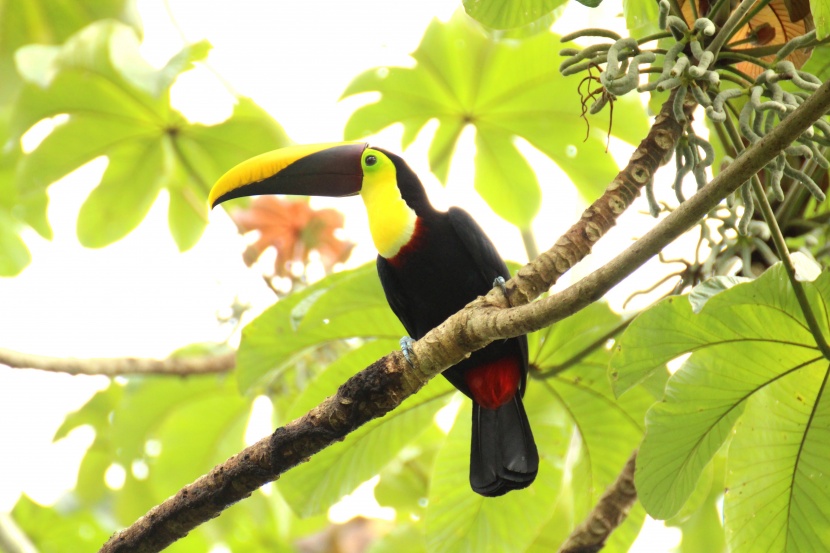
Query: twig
point(181, 366)
point(725, 32)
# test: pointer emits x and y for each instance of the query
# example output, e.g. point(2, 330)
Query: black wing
point(488, 261)
point(484, 254)
point(396, 296)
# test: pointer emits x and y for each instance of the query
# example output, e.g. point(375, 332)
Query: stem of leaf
point(529, 240)
point(781, 246)
point(729, 27)
point(784, 255)
point(554, 370)
point(655, 36)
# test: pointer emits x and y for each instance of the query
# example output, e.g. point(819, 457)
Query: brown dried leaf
point(771, 26)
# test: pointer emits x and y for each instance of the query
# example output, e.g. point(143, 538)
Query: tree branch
point(12, 537)
point(181, 366)
point(609, 512)
point(387, 382)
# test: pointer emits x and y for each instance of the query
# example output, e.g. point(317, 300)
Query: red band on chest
point(399, 260)
point(494, 384)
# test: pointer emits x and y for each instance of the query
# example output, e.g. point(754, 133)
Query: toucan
point(431, 264)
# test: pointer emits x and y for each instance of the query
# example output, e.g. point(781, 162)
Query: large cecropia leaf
point(571, 358)
point(48, 22)
point(22, 23)
point(507, 89)
point(349, 304)
point(756, 375)
point(460, 520)
point(821, 16)
point(151, 421)
point(509, 14)
point(313, 487)
point(119, 107)
point(14, 255)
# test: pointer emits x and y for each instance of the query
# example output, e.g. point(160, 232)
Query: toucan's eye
point(371, 160)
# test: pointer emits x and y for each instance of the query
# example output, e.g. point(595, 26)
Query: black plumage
point(447, 263)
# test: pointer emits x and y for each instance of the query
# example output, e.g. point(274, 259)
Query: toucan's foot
point(499, 283)
point(406, 349)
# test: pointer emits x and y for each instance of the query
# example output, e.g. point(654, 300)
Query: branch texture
point(181, 366)
point(655, 150)
point(387, 382)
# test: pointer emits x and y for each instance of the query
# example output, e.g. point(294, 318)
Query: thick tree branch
point(180, 366)
point(387, 382)
point(609, 512)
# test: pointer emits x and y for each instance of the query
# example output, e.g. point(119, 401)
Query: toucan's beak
point(332, 169)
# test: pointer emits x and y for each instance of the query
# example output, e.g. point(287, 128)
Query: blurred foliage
point(745, 412)
point(118, 106)
point(23, 23)
point(510, 14)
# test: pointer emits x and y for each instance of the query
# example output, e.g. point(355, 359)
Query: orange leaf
point(294, 230)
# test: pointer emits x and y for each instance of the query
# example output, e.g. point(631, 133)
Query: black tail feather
point(503, 455)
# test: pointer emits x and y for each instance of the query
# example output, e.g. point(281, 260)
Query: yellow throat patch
point(391, 221)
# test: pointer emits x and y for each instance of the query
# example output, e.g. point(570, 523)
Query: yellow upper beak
point(331, 169)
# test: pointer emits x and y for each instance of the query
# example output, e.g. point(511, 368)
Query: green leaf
point(114, 209)
point(178, 428)
point(406, 538)
point(710, 287)
point(404, 482)
point(118, 106)
point(499, 162)
point(819, 62)
point(590, 3)
point(313, 487)
point(778, 493)
point(640, 17)
point(459, 519)
point(506, 89)
point(750, 346)
point(509, 14)
point(349, 304)
point(56, 530)
point(14, 255)
point(700, 519)
point(571, 358)
point(48, 22)
point(666, 331)
point(821, 17)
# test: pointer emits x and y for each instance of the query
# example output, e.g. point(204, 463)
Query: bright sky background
point(140, 297)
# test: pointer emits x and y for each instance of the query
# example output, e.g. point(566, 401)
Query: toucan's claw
point(499, 282)
point(406, 349)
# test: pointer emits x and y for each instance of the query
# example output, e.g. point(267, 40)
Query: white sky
point(140, 297)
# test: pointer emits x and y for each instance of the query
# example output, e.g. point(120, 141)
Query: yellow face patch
point(391, 221)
